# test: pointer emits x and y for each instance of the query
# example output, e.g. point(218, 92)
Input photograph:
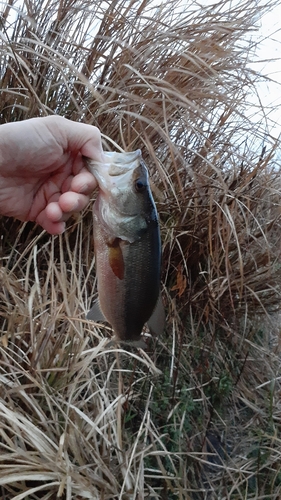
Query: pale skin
point(42, 172)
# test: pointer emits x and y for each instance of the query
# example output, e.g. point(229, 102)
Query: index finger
point(76, 136)
point(84, 182)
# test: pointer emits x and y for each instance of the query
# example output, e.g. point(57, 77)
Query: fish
point(127, 247)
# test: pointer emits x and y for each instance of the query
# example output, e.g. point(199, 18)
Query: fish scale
point(127, 248)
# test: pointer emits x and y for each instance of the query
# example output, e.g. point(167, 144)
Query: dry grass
point(198, 415)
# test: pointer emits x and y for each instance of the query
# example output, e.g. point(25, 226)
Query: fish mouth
point(122, 162)
point(115, 163)
point(125, 166)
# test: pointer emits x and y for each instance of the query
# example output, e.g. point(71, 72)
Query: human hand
point(42, 173)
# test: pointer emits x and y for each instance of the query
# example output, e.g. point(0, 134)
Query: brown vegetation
point(198, 415)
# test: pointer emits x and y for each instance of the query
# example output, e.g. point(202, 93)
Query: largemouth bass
point(127, 247)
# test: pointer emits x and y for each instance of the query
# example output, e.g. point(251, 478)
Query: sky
point(270, 48)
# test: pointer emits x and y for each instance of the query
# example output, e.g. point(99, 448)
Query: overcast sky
point(270, 48)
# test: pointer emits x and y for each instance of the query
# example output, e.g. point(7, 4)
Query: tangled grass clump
point(198, 414)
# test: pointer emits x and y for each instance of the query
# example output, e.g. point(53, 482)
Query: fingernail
point(62, 228)
point(76, 207)
point(84, 188)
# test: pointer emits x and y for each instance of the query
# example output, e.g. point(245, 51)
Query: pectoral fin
point(115, 257)
point(156, 322)
point(95, 313)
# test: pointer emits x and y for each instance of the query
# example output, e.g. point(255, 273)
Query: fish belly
point(128, 279)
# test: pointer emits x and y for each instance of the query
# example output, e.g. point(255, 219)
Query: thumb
point(78, 137)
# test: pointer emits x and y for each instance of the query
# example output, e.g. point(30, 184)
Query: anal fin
point(157, 320)
point(95, 313)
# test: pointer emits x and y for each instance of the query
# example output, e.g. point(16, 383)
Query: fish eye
point(140, 186)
